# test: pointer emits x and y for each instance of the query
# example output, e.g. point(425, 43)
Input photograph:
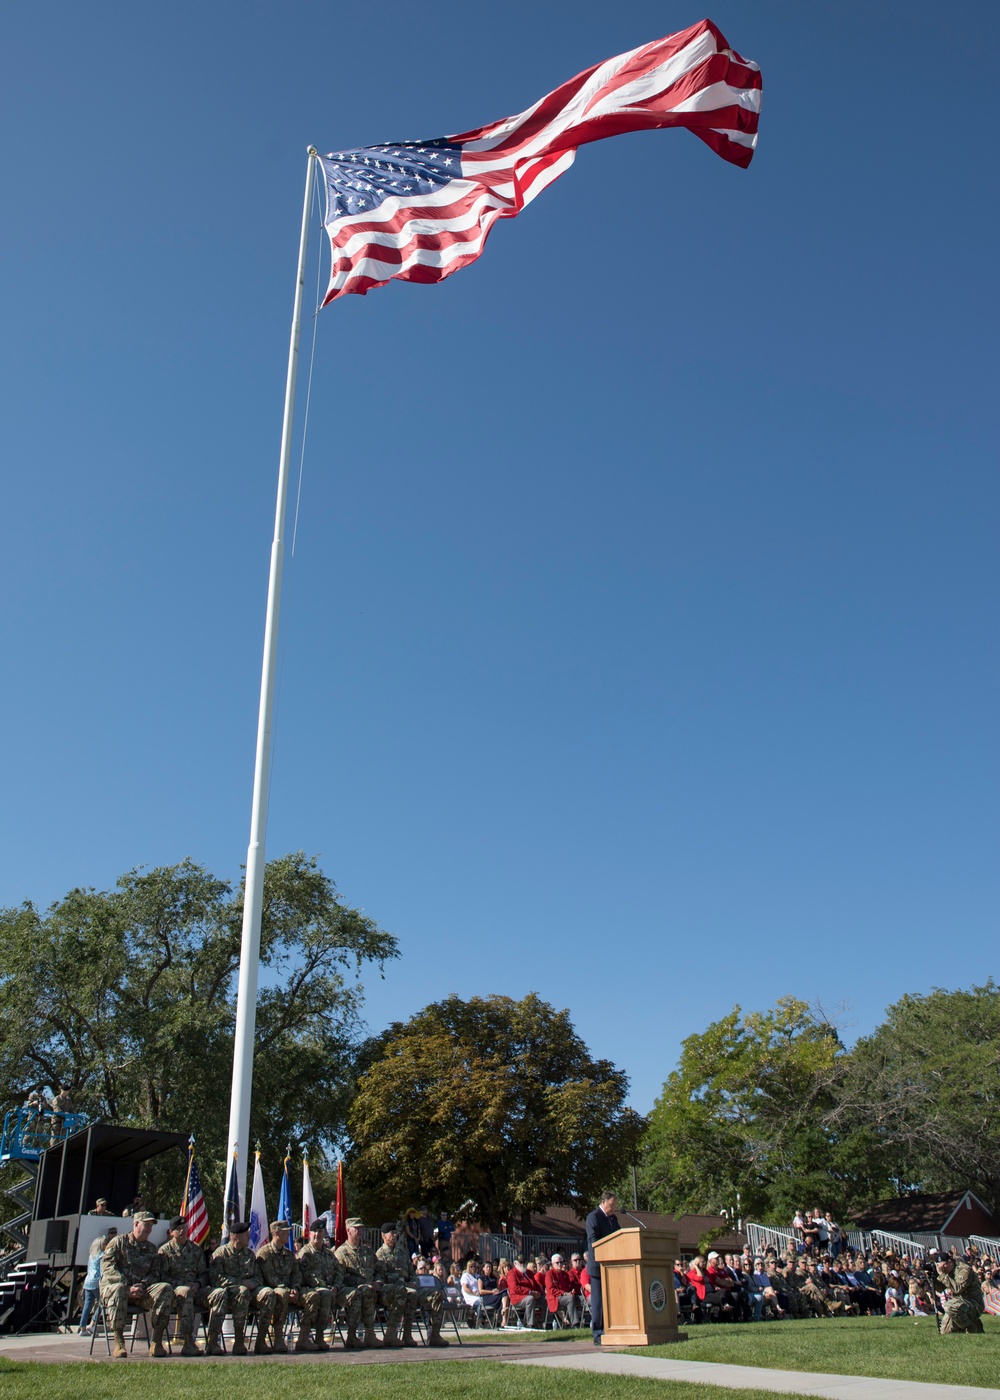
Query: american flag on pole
point(420, 210)
point(193, 1207)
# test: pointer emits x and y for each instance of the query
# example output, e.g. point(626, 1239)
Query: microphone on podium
point(636, 1219)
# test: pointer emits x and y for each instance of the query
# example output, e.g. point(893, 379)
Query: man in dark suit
point(600, 1222)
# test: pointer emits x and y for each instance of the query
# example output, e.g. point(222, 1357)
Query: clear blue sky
point(640, 642)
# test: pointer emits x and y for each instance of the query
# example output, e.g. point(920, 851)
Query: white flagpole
point(246, 1003)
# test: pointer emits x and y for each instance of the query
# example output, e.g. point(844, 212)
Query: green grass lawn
point(906, 1349)
point(429, 1380)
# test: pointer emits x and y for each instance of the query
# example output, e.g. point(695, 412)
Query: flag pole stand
point(246, 999)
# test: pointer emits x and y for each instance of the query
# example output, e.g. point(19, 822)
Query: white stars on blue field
point(361, 180)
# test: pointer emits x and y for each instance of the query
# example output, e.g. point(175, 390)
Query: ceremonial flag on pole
point(285, 1200)
point(258, 1207)
point(420, 210)
point(234, 1210)
point(193, 1207)
point(308, 1200)
point(340, 1222)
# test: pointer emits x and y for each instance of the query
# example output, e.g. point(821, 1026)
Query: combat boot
point(190, 1347)
point(321, 1343)
point(239, 1338)
point(372, 1339)
point(391, 1338)
point(304, 1341)
point(260, 1346)
point(435, 1339)
point(352, 1343)
point(279, 1344)
point(409, 1340)
point(214, 1347)
point(119, 1351)
point(156, 1347)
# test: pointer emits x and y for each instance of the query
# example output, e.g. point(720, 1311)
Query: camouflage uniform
point(237, 1282)
point(791, 1286)
point(400, 1274)
point(184, 1267)
point(963, 1311)
point(280, 1271)
point(322, 1278)
point(129, 1262)
point(360, 1296)
point(812, 1291)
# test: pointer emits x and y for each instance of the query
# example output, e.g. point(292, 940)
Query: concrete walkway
point(615, 1363)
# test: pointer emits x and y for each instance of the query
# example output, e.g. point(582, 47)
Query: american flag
point(420, 210)
point(193, 1206)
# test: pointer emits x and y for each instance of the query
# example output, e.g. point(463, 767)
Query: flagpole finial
point(191, 1140)
point(313, 151)
point(257, 1148)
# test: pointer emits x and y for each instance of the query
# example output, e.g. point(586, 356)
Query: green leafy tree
point(127, 996)
point(492, 1101)
point(743, 1123)
point(925, 1086)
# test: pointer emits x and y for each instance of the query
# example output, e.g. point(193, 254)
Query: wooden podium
point(637, 1286)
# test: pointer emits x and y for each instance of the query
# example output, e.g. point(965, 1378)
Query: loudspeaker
point(56, 1236)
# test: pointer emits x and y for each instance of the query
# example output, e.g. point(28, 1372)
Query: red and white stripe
point(197, 1218)
point(692, 79)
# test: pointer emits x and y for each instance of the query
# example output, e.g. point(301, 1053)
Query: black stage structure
point(100, 1160)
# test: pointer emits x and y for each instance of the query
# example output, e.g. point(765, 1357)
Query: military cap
point(239, 1227)
point(389, 1226)
point(318, 1227)
point(145, 1215)
point(177, 1222)
point(280, 1225)
point(355, 1223)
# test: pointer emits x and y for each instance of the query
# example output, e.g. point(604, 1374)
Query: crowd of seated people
point(536, 1293)
point(770, 1286)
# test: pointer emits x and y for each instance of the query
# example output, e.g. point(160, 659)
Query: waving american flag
point(420, 210)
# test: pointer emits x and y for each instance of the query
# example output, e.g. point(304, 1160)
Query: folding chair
point(100, 1316)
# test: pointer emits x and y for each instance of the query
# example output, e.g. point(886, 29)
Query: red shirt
point(697, 1282)
point(520, 1285)
point(584, 1279)
point(558, 1282)
point(719, 1279)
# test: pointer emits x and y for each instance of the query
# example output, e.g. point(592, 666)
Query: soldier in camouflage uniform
point(184, 1267)
point(791, 1286)
point(363, 1281)
point(322, 1278)
point(281, 1273)
point(810, 1290)
point(963, 1311)
point(131, 1276)
point(400, 1274)
point(236, 1283)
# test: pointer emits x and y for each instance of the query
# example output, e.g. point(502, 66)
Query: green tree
point(743, 1122)
point(493, 1101)
point(127, 996)
point(925, 1086)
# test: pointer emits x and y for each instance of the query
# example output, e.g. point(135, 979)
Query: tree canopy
point(127, 996)
point(743, 1124)
point(492, 1100)
point(926, 1087)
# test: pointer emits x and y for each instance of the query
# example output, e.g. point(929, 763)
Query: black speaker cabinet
point(56, 1236)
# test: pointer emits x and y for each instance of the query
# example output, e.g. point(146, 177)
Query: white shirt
point(470, 1288)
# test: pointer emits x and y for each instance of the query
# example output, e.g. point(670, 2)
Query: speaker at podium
point(637, 1286)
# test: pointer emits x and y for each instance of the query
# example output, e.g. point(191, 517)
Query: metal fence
point(987, 1244)
point(760, 1236)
